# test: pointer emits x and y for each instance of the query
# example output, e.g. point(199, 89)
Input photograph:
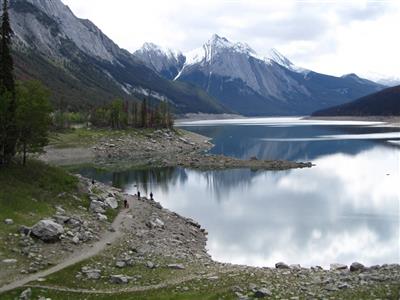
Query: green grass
point(32, 192)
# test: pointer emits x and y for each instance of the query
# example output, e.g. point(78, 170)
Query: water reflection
point(343, 210)
point(292, 139)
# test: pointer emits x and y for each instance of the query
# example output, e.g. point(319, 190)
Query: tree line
point(26, 115)
point(24, 107)
point(121, 115)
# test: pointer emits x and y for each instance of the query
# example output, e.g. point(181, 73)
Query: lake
point(344, 209)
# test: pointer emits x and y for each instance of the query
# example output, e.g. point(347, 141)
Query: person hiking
point(138, 195)
point(151, 196)
point(126, 203)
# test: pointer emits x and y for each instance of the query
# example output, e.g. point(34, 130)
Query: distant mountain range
point(382, 103)
point(83, 67)
point(250, 84)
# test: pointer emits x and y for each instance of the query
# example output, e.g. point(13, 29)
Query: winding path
point(80, 255)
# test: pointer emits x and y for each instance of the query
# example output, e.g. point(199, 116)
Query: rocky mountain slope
point(383, 103)
point(253, 85)
point(82, 66)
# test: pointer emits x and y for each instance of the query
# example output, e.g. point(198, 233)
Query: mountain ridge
point(382, 103)
point(88, 67)
point(251, 84)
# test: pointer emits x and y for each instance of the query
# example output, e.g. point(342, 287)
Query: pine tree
point(7, 90)
point(144, 114)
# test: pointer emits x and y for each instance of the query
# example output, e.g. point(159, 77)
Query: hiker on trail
point(126, 203)
point(92, 181)
point(151, 196)
point(138, 195)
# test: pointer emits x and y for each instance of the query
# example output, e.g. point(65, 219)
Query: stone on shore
point(97, 207)
point(281, 265)
point(338, 267)
point(176, 266)
point(9, 261)
point(261, 293)
point(119, 279)
point(47, 230)
point(356, 266)
point(111, 202)
point(9, 221)
point(26, 294)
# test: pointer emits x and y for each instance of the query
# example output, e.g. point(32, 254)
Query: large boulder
point(356, 266)
point(97, 207)
point(111, 202)
point(47, 230)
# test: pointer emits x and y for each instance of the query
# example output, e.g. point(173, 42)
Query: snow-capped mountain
point(166, 62)
point(254, 84)
point(82, 66)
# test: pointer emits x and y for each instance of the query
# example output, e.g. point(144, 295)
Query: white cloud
point(334, 37)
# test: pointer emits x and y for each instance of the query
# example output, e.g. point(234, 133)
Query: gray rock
point(261, 293)
point(25, 230)
point(75, 239)
point(338, 267)
point(47, 230)
point(111, 202)
point(356, 266)
point(9, 261)
point(26, 294)
point(281, 265)
point(60, 219)
point(119, 279)
point(120, 264)
point(102, 217)
point(9, 221)
point(150, 265)
point(97, 207)
point(176, 266)
point(93, 274)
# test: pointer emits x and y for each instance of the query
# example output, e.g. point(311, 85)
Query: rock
point(97, 207)
point(26, 295)
point(102, 217)
point(281, 265)
point(93, 274)
point(176, 266)
point(47, 230)
point(150, 265)
point(159, 223)
point(356, 266)
point(111, 202)
point(119, 279)
point(9, 261)
point(338, 267)
point(60, 219)
point(75, 239)
point(295, 267)
point(253, 158)
point(25, 230)
point(120, 264)
point(9, 221)
point(261, 293)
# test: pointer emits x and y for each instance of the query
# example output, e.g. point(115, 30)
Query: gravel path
point(108, 238)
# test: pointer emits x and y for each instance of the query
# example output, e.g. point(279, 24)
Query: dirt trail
point(80, 255)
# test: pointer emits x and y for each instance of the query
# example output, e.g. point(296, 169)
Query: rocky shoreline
point(154, 238)
point(159, 148)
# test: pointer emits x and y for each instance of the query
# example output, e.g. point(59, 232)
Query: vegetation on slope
point(383, 103)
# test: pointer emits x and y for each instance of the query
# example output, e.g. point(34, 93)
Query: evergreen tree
point(144, 113)
point(7, 90)
point(33, 117)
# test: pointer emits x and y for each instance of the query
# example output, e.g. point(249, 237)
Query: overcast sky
point(333, 37)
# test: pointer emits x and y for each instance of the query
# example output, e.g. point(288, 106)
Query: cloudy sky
point(333, 37)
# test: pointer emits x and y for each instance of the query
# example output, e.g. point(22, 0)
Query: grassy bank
point(32, 192)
